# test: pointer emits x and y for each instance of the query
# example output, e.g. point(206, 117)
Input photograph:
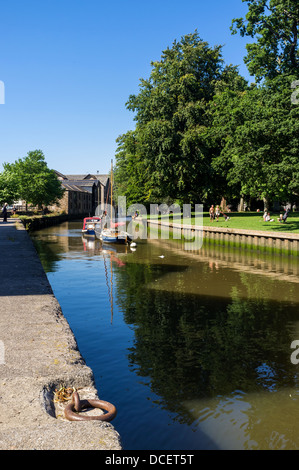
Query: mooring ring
point(78, 405)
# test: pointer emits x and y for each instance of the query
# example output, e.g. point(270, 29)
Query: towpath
point(39, 354)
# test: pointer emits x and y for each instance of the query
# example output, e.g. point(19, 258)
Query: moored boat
point(110, 235)
point(89, 225)
point(108, 230)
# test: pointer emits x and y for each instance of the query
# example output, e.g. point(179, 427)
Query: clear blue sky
point(69, 67)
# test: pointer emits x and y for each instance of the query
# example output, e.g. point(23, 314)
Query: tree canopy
point(31, 180)
point(203, 132)
point(259, 133)
point(274, 24)
point(168, 157)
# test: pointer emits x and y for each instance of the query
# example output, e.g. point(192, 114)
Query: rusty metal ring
point(76, 401)
point(78, 405)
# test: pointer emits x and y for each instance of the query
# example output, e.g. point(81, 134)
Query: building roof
point(86, 183)
point(60, 175)
point(75, 177)
point(103, 179)
point(70, 186)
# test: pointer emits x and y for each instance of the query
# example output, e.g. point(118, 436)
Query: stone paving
point(39, 354)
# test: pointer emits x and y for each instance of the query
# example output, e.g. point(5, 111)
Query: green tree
point(30, 179)
point(275, 26)
point(259, 130)
point(130, 173)
point(7, 188)
point(225, 117)
point(172, 145)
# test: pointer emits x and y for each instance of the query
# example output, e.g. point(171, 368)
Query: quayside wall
point(263, 240)
point(38, 223)
point(39, 355)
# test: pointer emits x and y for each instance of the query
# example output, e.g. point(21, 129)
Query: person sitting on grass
point(268, 218)
point(283, 218)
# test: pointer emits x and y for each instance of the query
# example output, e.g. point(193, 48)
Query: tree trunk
point(241, 204)
point(266, 204)
point(223, 204)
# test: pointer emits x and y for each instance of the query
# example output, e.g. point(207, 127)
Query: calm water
point(194, 349)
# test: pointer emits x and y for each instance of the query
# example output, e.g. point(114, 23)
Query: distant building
point(83, 193)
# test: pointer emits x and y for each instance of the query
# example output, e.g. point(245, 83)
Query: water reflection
point(205, 345)
point(211, 339)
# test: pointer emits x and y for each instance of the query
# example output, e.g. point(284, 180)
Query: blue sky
point(69, 66)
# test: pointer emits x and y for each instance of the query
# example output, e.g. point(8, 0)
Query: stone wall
point(74, 202)
point(264, 240)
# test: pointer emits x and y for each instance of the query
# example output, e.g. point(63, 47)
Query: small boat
point(113, 236)
point(89, 225)
point(109, 230)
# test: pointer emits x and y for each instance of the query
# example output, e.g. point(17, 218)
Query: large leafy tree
point(274, 24)
point(259, 132)
point(172, 143)
point(30, 179)
point(261, 146)
point(225, 117)
point(7, 188)
point(131, 178)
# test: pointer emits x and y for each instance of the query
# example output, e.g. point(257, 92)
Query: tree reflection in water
point(195, 347)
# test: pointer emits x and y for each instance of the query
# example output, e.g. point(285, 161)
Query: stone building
point(75, 201)
point(83, 193)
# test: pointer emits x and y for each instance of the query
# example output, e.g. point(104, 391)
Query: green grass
point(251, 221)
point(254, 221)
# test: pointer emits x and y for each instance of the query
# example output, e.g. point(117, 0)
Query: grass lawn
point(250, 221)
point(254, 221)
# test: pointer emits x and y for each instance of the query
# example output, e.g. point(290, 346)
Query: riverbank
point(39, 354)
point(242, 221)
point(281, 242)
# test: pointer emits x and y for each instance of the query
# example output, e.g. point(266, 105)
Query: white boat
point(112, 233)
point(115, 236)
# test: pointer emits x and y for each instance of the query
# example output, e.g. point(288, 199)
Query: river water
point(193, 348)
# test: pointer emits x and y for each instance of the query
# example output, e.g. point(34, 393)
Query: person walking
point(4, 213)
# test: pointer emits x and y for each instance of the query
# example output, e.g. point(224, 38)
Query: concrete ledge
point(261, 233)
point(39, 354)
point(260, 238)
point(256, 233)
